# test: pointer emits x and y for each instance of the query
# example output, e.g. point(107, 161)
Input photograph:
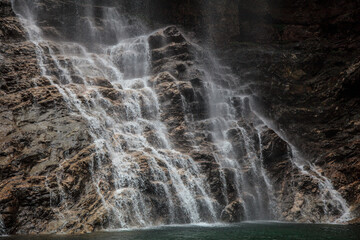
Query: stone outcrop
point(307, 87)
point(298, 191)
point(317, 110)
point(302, 58)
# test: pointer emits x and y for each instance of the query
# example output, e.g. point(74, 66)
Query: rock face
point(38, 132)
point(302, 58)
point(265, 21)
point(51, 172)
point(319, 112)
point(305, 74)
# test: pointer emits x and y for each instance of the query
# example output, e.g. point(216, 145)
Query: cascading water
point(235, 138)
point(123, 120)
point(335, 208)
point(103, 72)
point(332, 200)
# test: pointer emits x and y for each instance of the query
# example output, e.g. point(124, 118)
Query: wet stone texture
point(44, 148)
point(302, 59)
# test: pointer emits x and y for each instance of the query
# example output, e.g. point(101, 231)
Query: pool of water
point(249, 230)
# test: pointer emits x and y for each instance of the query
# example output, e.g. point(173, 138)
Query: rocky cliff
point(308, 79)
point(302, 58)
point(299, 61)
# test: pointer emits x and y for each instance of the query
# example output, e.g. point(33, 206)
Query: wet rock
point(10, 27)
point(274, 149)
point(102, 82)
point(234, 212)
point(163, 37)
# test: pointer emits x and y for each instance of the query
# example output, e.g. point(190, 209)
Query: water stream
point(103, 75)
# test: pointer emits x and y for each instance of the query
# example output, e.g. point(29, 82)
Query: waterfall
point(119, 118)
point(335, 207)
point(236, 144)
point(101, 66)
point(332, 200)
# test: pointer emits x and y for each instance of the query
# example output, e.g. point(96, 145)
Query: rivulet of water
point(235, 135)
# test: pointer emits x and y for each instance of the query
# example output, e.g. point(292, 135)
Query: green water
point(258, 231)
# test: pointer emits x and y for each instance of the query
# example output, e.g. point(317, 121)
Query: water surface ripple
point(242, 231)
